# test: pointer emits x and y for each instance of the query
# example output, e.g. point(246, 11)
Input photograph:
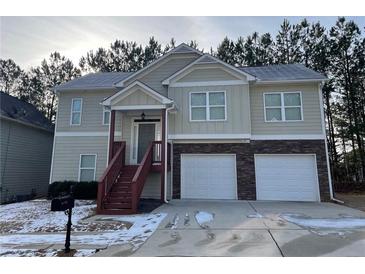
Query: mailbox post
point(65, 203)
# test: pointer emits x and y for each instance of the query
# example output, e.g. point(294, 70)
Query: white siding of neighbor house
point(163, 70)
point(67, 156)
point(25, 159)
point(136, 97)
point(238, 111)
point(311, 123)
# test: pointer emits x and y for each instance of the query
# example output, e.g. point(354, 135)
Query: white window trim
point(282, 106)
point(96, 158)
point(207, 106)
point(72, 111)
point(105, 110)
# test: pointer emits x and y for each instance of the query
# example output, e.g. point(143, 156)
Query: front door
point(146, 134)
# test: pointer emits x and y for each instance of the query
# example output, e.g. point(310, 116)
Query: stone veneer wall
point(246, 183)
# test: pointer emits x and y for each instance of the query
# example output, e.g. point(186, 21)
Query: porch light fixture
point(143, 116)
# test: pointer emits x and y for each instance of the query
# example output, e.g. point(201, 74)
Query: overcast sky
point(28, 40)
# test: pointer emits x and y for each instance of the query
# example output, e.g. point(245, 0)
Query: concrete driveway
point(253, 228)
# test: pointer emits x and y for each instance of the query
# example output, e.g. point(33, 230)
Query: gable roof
point(208, 59)
point(146, 89)
point(99, 80)
point(284, 72)
point(181, 49)
point(15, 109)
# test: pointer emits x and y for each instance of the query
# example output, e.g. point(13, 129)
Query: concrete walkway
point(239, 230)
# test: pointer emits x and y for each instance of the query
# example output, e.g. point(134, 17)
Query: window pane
point(76, 105)
point(272, 100)
point(86, 175)
point(292, 99)
point(198, 99)
point(106, 117)
point(88, 161)
point(216, 98)
point(293, 114)
point(198, 114)
point(217, 113)
point(76, 116)
point(273, 114)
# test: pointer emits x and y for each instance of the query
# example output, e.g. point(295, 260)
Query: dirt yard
point(354, 200)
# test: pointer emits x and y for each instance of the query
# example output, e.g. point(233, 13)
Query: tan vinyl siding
point(238, 113)
point(67, 156)
point(92, 111)
point(214, 74)
point(311, 123)
point(137, 97)
point(163, 70)
point(26, 154)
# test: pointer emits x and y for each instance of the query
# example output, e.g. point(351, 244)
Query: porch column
point(111, 135)
point(163, 146)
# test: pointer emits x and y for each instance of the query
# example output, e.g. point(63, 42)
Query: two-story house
point(190, 126)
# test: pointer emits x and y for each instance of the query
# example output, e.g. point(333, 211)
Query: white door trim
point(133, 160)
point(291, 154)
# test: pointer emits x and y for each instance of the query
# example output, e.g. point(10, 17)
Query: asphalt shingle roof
point(95, 80)
point(14, 108)
point(283, 72)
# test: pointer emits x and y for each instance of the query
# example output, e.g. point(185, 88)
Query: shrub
point(349, 187)
point(82, 190)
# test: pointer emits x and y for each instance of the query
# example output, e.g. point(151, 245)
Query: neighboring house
point(226, 132)
point(26, 150)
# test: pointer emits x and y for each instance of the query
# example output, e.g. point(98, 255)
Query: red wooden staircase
point(121, 185)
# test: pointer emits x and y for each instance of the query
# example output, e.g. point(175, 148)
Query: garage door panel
point(207, 176)
point(286, 177)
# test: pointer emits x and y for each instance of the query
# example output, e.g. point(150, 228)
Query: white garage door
point(207, 176)
point(286, 177)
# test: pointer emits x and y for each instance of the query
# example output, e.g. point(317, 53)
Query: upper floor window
point(283, 106)
point(76, 109)
point(87, 167)
point(106, 116)
point(208, 106)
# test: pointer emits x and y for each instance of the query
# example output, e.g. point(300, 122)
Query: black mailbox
point(62, 203)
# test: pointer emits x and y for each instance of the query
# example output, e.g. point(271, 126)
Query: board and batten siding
point(163, 70)
point(311, 123)
point(136, 98)
point(67, 152)
point(92, 111)
point(26, 154)
point(238, 111)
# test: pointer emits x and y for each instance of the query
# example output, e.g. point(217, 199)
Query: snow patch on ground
point(42, 253)
point(202, 218)
point(255, 215)
point(142, 228)
point(36, 216)
point(325, 223)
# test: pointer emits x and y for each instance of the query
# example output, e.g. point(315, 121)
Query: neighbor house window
point(106, 116)
point(208, 106)
point(87, 167)
point(283, 106)
point(76, 109)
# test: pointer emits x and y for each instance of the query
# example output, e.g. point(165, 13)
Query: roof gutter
point(84, 89)
point(263, 82)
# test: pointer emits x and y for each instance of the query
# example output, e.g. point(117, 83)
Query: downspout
point(165, 144)
point(326, 148)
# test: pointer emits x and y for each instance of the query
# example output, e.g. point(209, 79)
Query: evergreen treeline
point(338, 52)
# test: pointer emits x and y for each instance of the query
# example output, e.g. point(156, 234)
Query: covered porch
point(137, 149)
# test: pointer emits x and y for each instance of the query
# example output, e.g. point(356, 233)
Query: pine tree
point(9, 74)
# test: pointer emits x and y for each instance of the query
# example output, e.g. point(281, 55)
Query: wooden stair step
point(119, 199)
point(120, 193)
point(126, 205)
